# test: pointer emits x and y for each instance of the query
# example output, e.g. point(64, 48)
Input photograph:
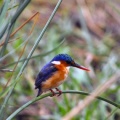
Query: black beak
point(80, 67)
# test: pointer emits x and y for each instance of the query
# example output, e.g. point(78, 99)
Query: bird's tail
point(39, 92)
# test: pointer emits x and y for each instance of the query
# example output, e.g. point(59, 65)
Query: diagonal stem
point(29, 56)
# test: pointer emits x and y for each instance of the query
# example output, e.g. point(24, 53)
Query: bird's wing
point(44, 74)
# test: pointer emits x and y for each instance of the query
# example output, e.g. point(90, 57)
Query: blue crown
point(63, 57)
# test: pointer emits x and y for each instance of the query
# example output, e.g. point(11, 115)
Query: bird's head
point(67, 60)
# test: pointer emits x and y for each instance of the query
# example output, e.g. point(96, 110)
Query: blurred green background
point(89, 31)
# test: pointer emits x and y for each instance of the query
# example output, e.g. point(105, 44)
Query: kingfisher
point(55, 73)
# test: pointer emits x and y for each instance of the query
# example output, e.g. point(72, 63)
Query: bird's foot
point(53, 93)
point(60, 92)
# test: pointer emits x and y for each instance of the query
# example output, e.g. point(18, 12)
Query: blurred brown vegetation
point(92, 36)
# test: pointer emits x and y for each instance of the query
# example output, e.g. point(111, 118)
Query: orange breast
point(57, 79)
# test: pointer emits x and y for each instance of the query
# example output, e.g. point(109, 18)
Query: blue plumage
point(63, 57)
point(46, 72)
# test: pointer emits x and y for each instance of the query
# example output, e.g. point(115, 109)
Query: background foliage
point(87, 30)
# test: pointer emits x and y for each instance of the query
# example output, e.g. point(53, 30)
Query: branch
point(49, 94)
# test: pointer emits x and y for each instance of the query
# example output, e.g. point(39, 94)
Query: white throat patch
point(68, 68)
point(56, 62)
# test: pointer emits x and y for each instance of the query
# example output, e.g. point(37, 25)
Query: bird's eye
point(73, 62)
point(70, 62)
